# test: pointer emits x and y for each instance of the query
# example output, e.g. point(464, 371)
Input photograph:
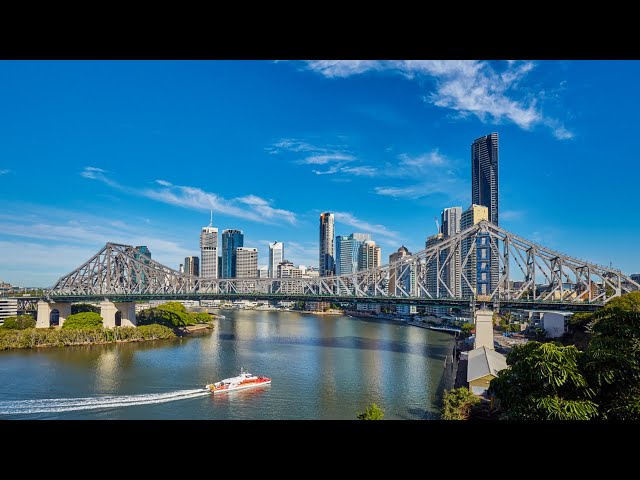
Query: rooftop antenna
point(211, 219)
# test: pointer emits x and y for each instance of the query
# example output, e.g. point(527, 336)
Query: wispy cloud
point(249, 207)
point(312, 154)
point(364, 226)
point(4, 171)
point(468, 87)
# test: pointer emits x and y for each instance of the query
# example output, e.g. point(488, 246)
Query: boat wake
point(55, 405)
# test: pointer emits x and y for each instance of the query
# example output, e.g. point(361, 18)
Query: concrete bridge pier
point(484, 328)
point(118, 314)
point(46, 310)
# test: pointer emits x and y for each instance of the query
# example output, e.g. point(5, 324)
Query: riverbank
point(58, 337)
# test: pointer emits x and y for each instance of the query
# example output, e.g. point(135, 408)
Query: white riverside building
point(8, 308)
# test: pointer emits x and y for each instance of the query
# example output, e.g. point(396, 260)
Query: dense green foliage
point(44, 337)
point(19, 323)
point(83, 307)
point(372, 412)
point(544, 383)
point(612, 359)
point(457, 403)
point(467, 328)
point(171, 314)
point(84, 320)
point(550, 381)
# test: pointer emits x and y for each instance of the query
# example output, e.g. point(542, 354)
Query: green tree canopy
point(467, 327)
point(171, 314)
point(457, 403)
point(612, 360)
point(202, 317)
point(83, 320)
point(19, 323)
point(84, 307)
point(372, 412)
point(544, 382)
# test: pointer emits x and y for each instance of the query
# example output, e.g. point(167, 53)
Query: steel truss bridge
point(449, 273)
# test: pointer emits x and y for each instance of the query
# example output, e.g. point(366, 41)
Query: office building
point(143, 252)
point(246, 262)
point(263, 271)
point(402, 277)
point(209, 251)
point(635, 277)
point(327, 259)
point(477, 268)
point(276, 255)
point(450, 226)
point(369, 256)
point(484, 174)
point(192, 266)
point(231, 239)
point(348, 252)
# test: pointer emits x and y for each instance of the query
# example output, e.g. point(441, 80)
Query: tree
point(467, 328)
point(457, 403)
point(170, 314)
point(372, 412)
point(83, 320)
point(612, 360)
point(84, 307)
point(202, 318)
point(544, 382)
point(19, 323)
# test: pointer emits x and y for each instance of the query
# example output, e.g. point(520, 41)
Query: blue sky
point(137, 152)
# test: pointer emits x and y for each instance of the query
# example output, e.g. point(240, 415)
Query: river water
point(322, 367)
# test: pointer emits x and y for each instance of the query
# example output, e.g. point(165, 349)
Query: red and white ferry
point(240, 382)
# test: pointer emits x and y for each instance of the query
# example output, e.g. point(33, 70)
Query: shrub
point(19, 323)
point(84, 320)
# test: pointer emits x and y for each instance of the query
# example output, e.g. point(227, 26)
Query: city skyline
point(91, 155)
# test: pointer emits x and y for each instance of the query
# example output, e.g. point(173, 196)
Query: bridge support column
point(43, 319)
point(484, 329)
point(108, 313)
point(128, 312)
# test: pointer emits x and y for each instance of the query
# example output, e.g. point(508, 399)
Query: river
point(322, 367)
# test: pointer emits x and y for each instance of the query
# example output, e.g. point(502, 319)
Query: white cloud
point(511, 215)
point(4, 171)
point(469, 87)
point(249, 207)
point(409, 192)
point(327, 158)
point(364, 226)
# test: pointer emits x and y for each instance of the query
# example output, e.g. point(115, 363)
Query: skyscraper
point(327, 260)
point(231, 239)
point(477, 269)
point(142, 254)
point(402, 277)
point(192, 266)
point(209, 251)
point(484, 174)
point(276, 256)
point(369, 256)
point(246, 262)
point(348, 251)
point(452, 274)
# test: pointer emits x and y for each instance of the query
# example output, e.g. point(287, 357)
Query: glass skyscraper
point(231, 239)
point(484, 174)
point(327, 257)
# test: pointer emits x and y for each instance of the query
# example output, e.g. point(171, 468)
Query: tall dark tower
point(484, 174)
point(327, 259)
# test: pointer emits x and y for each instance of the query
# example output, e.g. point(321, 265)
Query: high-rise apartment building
point(209, 251)
point(192, 266)
point(327, 258)
point(484, 174)
point(450, 226)
point(348, 252)
point(477, 269)
point(231, 239)
point(246, 262)
point(369, 256)
point(432, 268)
point(402, 278)
point(276, 255)
point(144, 255)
